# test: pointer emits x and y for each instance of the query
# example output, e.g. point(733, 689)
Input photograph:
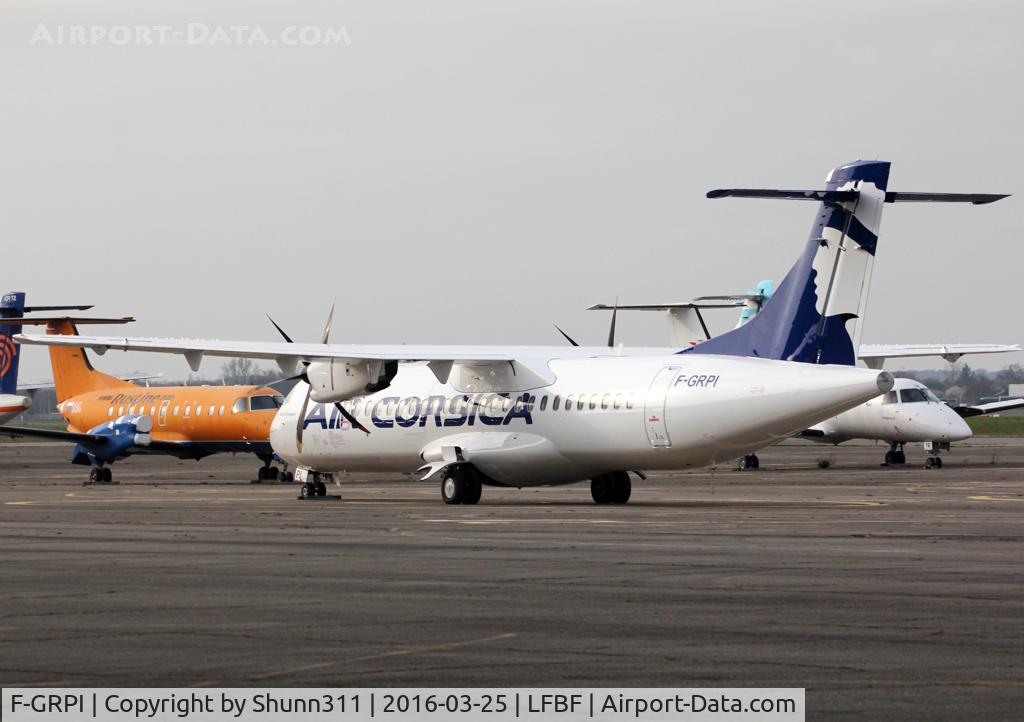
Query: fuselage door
point(161, 417)
point(654, 408)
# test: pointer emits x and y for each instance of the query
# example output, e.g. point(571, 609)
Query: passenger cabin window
point(605, 400)
point(581, 403)
point(188, 410)
point(152, 410)
point(890, 398)
point(543, 402)
point(176, 410)
point(912, 396)
point(110, 411)
point(555, 403)
point(631, 401)
point(618, 401)
point(212, 409)
point(568, 402)
point(199, 410)
point(222, 409)
point(264, 403)
point(238, 407)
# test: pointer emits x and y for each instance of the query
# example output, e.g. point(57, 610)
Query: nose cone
point(952, 426)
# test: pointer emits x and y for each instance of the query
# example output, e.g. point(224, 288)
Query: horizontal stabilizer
point(43, 320)
point(977, 199)
point(37, 309)
point(838, 196)
point(706, 302)
point(825, 196)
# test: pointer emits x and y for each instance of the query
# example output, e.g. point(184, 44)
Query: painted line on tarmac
point(444, 647)
point(995, 498)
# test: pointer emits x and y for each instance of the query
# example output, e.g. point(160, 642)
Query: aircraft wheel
point(106, 475)
point(889, 458)
point(601, 488)
point(938, 462)
point(453, 487)
point(308, 491)
point(320, 488)
point(287, 477)
point(756, 462)
point(472, 492)
point(929, 463)
point(622, 489)
point(96, 475)
point(899, 457)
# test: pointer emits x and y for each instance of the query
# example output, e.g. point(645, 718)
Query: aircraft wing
point(529, 363)
point(53, 434)
point(993, 408)
point(875, 355)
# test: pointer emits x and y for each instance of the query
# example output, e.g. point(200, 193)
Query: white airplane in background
point(524, 416)
point(908, 413)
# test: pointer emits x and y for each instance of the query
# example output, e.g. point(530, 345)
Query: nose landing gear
point(895, 455)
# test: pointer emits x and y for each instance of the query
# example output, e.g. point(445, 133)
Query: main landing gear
point(749, 462)
point(611, 488)
point(933, 462)
point(895, 456)
point(272, 473)
point(101, 475)
point(461, 485)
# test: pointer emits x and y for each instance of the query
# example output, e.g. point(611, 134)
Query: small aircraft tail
point(808, 317)
point(12, 305)
point(72, 372)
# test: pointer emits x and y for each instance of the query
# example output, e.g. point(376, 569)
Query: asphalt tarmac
point(889, 593)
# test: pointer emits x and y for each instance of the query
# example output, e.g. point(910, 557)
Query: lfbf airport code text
point(564, 705)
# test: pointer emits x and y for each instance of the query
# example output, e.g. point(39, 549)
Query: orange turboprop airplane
point(110, 418)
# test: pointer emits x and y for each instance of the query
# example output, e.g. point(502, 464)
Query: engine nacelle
point(342, 379)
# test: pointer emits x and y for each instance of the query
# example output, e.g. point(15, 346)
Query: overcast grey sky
point(469, 172)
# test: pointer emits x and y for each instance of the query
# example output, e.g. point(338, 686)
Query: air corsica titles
point(462, 410)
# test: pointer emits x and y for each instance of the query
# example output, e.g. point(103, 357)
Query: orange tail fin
point(72, 372)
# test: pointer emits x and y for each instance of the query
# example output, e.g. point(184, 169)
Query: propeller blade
point(300, 421)
point(327, 327)
point(350, 418)
point(567, 336)
point(279, 329)
point(611, 329)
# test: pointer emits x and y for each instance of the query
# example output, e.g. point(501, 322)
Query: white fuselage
point(601, 414)
point(11, 406)
point(909, 412)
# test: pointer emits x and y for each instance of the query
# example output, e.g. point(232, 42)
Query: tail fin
point(12, 305)
point(757, 297)
point(72, 372)
point(807, 317)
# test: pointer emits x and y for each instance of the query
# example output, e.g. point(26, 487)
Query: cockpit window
point(239, 406)
point(890, 398)
point(931, 396)
point(265, 403)
point(912, 396)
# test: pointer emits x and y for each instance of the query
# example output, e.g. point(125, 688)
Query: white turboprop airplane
point(908, 413)
point(522, 416)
